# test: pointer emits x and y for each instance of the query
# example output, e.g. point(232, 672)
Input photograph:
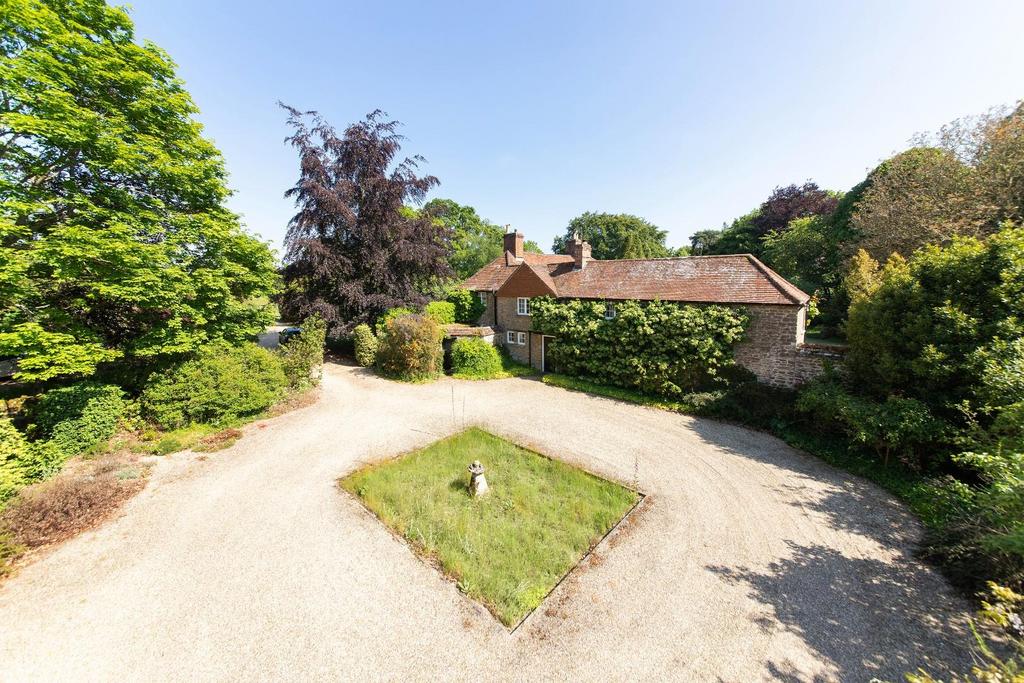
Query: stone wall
point(774, 347)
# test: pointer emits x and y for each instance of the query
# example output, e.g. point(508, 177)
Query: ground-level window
point(483, 297)
point(522, 338)
point(522, 306)
point(609, 310)
point(510, 337)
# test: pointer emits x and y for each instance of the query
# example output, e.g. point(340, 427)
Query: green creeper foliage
point(303, 356)
point(658, 348)
point(410, 349)
point(441, 312)
point(114, 239)
point(365, 344)
point(220, 384)
point(14, 451)
point(475, 358)
point(468, 308)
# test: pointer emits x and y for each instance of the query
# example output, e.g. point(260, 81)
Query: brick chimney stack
point(514, 249)
point(579, 250)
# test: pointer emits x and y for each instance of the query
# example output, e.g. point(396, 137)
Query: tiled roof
point(739, 278)
point(493, 275)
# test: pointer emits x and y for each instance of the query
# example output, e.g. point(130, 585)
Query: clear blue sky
point(687, 114)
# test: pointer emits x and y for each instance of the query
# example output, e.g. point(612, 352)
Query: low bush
point(220, 384)
point(60, 508)
point(900, 427)
point(658, 348)
point(468, 308)
point(381, 326)
point(410, 349)
point(77, 419)
point(303, 356)
point(441, 312)
point(475, 358)
point(365, 345)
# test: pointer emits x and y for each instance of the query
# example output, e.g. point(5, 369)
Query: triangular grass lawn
point(510, 547)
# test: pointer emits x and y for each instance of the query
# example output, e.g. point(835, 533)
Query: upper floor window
point(522, 306)
point(483, 297)
point(609, 310)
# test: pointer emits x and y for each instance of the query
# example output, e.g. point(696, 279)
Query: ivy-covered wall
point(656, 347)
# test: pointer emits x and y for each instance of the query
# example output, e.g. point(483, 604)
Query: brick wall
point(487, 317)
point(774, 348)
point(508, 320)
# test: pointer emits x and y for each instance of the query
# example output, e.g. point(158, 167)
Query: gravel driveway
point(746, 561)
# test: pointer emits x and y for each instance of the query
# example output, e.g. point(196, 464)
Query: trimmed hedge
point(475, 358)
point(658, 348)
point(220, 384)
point(411, 349)
point(365, 345)
point(441, 312)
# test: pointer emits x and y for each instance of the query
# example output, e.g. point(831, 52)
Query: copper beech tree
point(354, 249)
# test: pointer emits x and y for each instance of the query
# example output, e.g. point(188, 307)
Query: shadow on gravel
point(865, 617)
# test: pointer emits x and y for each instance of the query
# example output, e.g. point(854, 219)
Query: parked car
point(288, 333)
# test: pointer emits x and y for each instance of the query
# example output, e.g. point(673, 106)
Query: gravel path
point(746, 561)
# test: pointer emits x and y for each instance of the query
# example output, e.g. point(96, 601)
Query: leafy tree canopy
point(703, 241)
point(475, 241)
point(353, 248)
point(791, 202)
point(615, 236)
point(114, 239)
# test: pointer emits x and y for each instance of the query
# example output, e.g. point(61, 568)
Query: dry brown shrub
point(225, 438)
point(58, 509)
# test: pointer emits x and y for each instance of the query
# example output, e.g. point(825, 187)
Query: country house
point(774, 347)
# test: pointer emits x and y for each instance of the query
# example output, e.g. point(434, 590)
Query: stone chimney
point(514, 246)
point(579, 250)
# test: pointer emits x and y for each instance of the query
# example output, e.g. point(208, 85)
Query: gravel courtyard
point(746, 561)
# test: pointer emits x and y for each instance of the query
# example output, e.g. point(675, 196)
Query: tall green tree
point(475, 241)
point(615, 236)
point(354, 248)
point(114, 239)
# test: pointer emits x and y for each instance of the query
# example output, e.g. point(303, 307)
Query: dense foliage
point(410, 349)
point(474, 241)
point(441, 312)
point(786, 204)
point(353, 249)
point(365, 344)
point(218, 385)
point(615, 236)
point(77, 418)
point(468, 307)
point(475, 358)
point(381, 326)
point(303, 356)
point(114, 239)
point(656, 347)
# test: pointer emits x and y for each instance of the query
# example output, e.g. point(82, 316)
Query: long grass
point(506, 549)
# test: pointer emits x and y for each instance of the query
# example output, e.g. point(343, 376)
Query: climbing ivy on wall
point(657, 347)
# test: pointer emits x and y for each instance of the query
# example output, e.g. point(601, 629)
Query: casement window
point(521, 338)
point(522, 306)
point(510, 337)
point(483, 297)
point(609, 310)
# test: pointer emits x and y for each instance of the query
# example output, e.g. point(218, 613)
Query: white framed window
point(510, 337)
point(522, 338)
point(522, 306)
point(609, 310)
point(483, 297)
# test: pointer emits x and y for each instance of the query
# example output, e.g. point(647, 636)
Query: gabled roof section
point(491, 277)
point(529, 280)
